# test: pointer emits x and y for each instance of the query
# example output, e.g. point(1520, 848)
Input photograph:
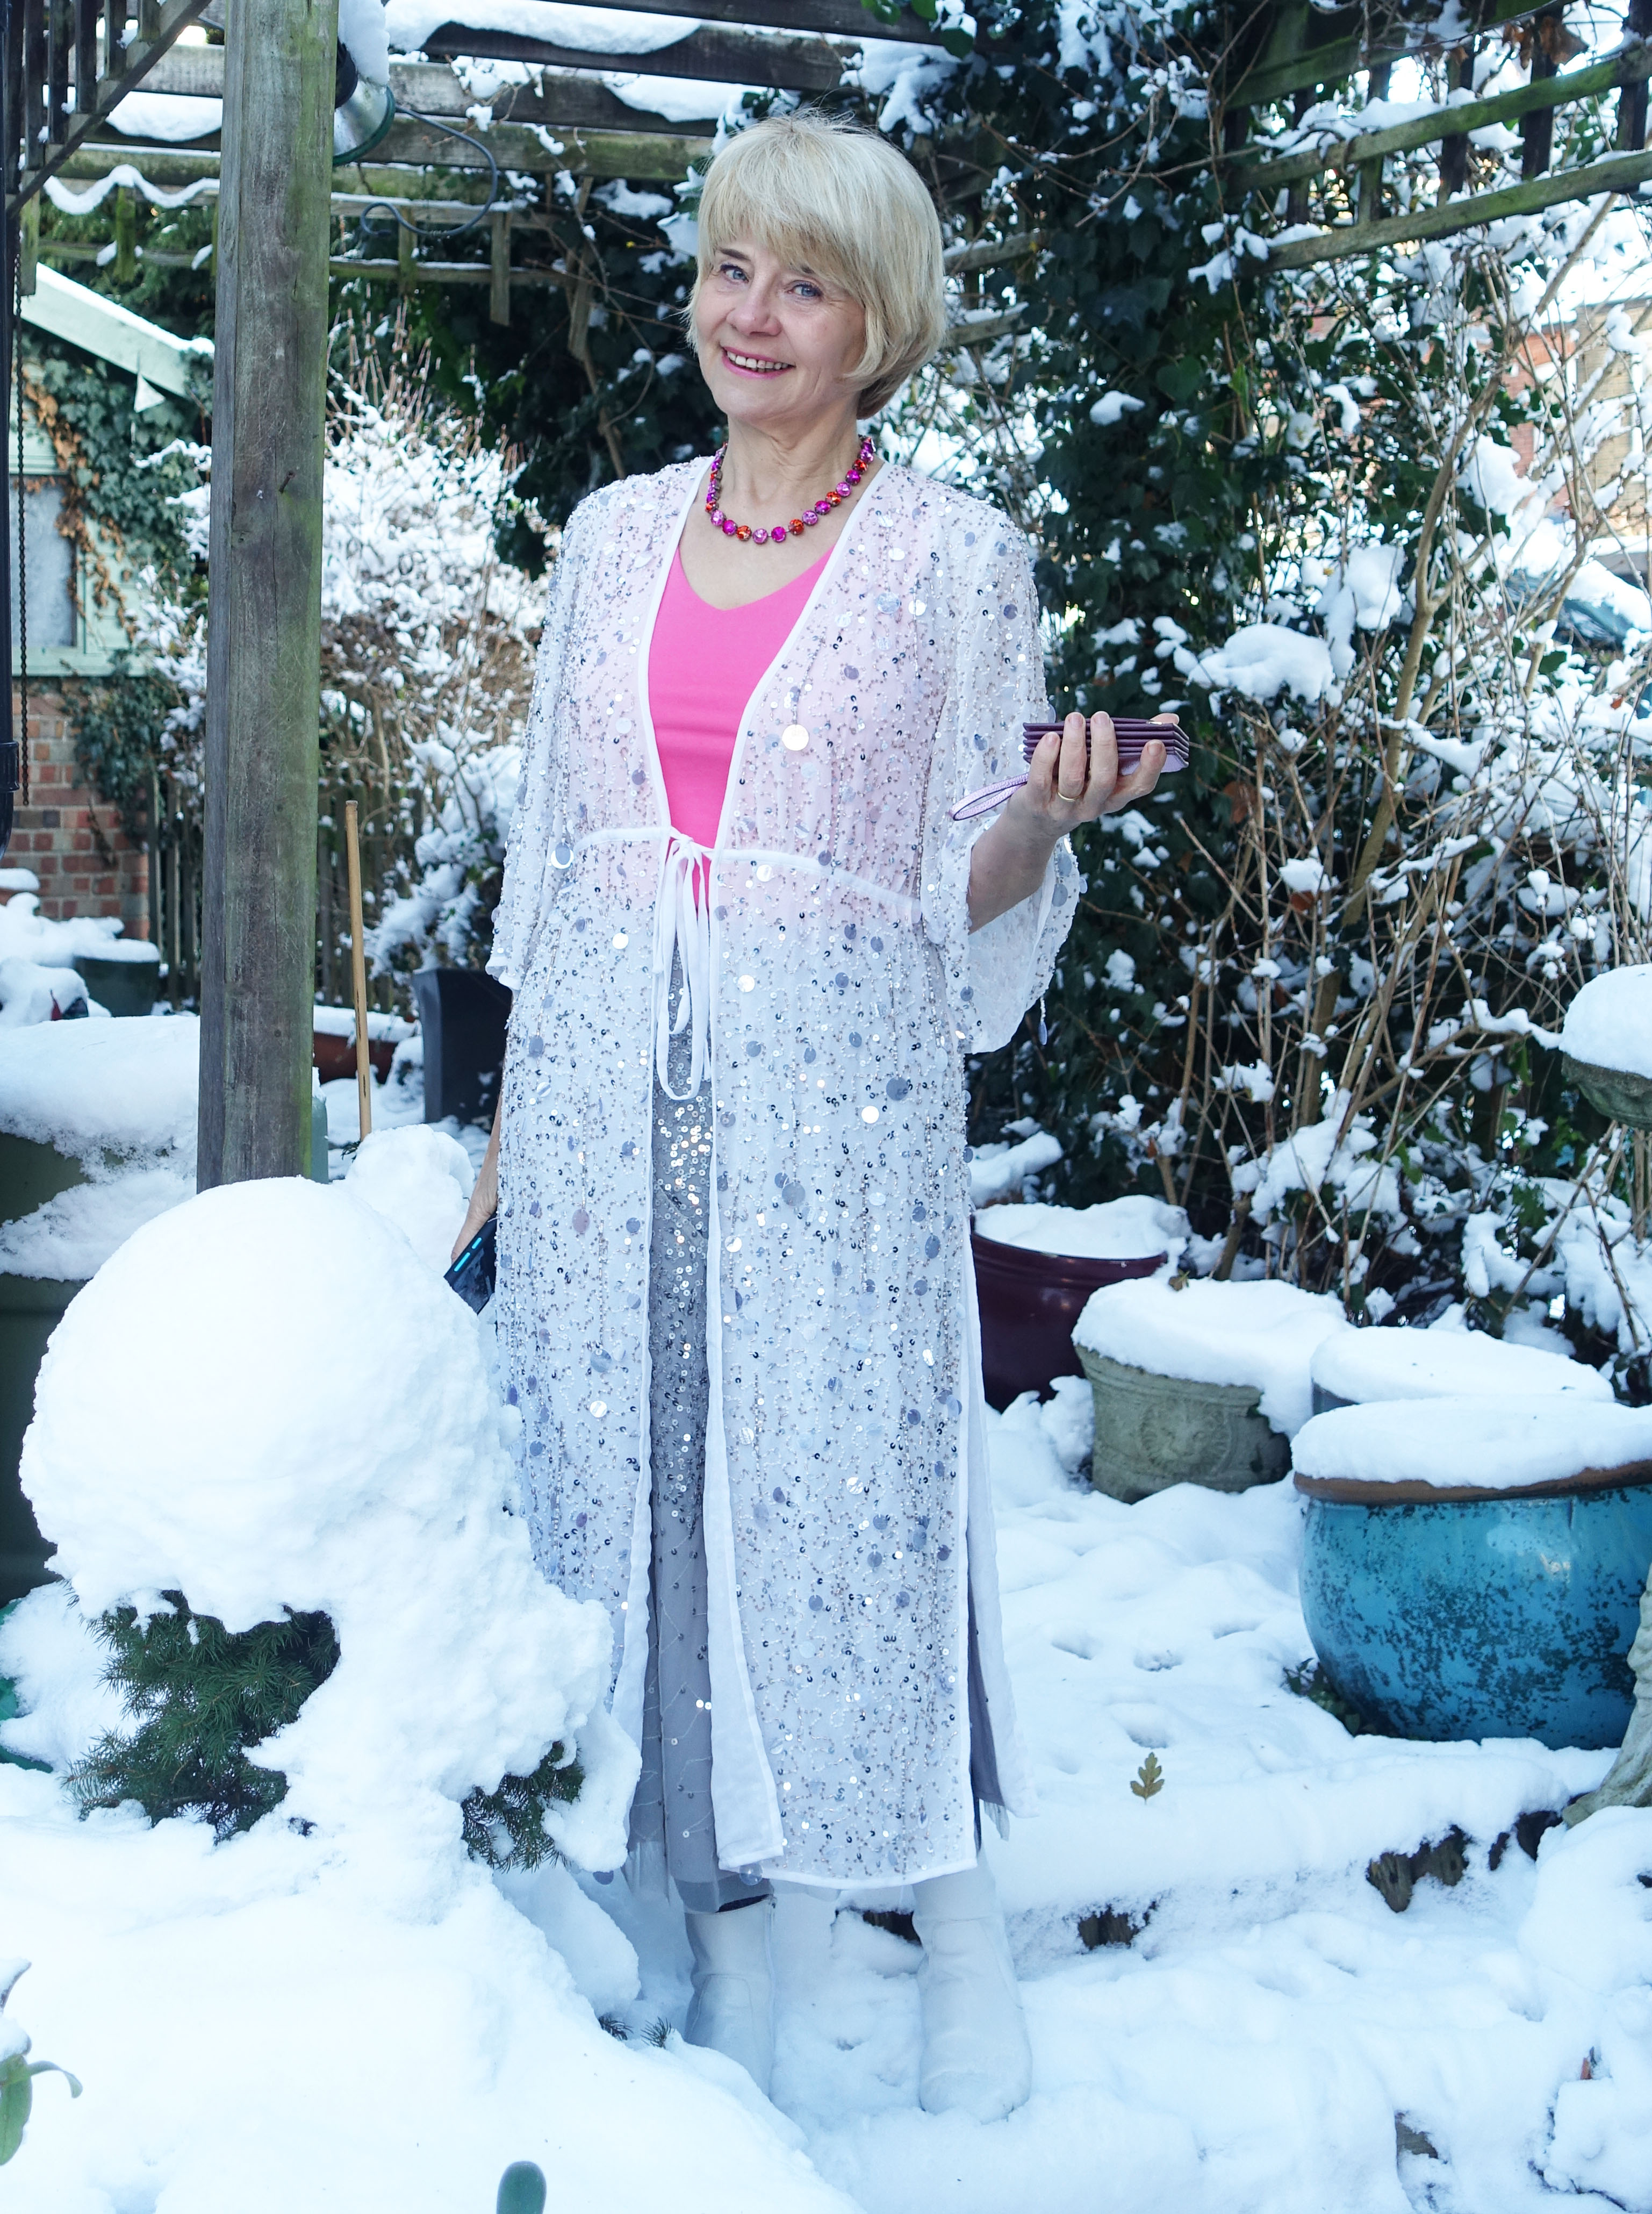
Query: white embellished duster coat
point(848, 1521)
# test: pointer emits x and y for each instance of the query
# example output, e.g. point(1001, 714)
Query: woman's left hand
point(1008, 861)
point(1062, 789)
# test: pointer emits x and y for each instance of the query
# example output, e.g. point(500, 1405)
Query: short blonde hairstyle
point(840, 200)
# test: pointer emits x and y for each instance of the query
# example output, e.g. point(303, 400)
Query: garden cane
point(358, 970)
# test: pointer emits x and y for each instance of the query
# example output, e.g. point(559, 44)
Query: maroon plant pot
point(1029, 1303)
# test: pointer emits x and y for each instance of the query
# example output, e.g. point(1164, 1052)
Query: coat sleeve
point(538, 818)
point(996, 683)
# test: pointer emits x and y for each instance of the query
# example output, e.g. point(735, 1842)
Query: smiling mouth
point(754, 365)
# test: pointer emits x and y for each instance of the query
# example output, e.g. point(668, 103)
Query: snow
point(1261, 660)
point(998, 1170)
point(1505, 1443)
point(1261, 1335)
point(362, 29)
point(595, 30)
point(172, 118)
point(1116, 1230)
point(91, 1088)
point(1113, 406)
point(340, 1022)
point(678, 99)
point(30, 994)
point(335, 2027)
point(1610, 1021)
point(1362, 1365)
point(28, 935)
point(70, 1237)
point(418, 1178)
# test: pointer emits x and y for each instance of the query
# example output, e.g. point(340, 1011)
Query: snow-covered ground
point(360, 2018)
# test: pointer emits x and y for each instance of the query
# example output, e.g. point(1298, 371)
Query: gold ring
point(1071, 798)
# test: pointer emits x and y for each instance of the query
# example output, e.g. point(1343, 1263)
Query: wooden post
point(257, 953)
point(498, 288)
point(358, 971)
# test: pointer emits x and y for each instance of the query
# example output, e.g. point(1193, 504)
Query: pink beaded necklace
point(776, 533)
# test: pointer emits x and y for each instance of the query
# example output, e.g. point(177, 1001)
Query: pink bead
point(842, 490)
point(822, 507)
point(729, 526)
point(717, 516)
point(812, 519)
point(761, 536)
point(778, 533)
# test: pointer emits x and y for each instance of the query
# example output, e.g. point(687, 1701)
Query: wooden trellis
point(1301, 51)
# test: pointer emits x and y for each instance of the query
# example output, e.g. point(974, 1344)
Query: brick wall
point(71, 837)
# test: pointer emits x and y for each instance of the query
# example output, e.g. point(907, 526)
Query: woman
point(748, 952)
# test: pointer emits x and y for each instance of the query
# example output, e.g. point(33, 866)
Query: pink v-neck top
point(703, 666)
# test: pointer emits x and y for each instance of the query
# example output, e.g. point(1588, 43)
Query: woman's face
point(777, 343)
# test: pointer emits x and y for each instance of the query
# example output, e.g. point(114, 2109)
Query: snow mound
point(1610, 1021)
point(1262, 1335)
point(1117, 1230)
point(418, 1178)
point(1365, 1365)
point(91, 1088)
point(1485, 1444)
point(28, 935)
point(340, 1448)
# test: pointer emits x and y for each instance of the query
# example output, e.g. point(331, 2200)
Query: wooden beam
point(1311, 45)
point(263, 681)
point(1618, 173)
point(562, 100)
point(843, 19)
point(991, 253)
point(725, 55)
point(158, 26)
point(648, 155)
point(1632, 66)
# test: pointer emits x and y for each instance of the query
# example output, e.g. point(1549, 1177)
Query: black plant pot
point(462, 1013)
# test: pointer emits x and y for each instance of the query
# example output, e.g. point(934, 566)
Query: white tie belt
point(683, 928)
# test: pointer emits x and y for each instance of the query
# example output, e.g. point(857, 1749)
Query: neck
point(780, 468)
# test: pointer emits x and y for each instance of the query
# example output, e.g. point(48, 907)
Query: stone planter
point(31, 1308)
point(31, 1174)
point(1153, 1431)
point(125, 987)
point(1029, 1303)
point(1465, 1619)
point(1619, 1094)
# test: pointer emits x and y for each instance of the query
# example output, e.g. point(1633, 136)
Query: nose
point(754, 310)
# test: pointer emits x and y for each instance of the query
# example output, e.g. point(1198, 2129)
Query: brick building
point(70, 838)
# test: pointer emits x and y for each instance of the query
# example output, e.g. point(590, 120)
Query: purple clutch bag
point(1132, 733)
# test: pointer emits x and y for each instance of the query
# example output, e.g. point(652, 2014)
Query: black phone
point(474, 1274)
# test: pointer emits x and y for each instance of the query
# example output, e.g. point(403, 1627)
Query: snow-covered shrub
point(339, 1453)
point(427, 645)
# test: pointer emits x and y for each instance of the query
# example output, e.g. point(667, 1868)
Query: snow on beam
point(102, 326)
point(727, 56)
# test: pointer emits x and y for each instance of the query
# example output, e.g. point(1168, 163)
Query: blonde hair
point(840, 200)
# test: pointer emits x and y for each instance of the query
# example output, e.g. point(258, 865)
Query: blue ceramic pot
point(1490, 1618)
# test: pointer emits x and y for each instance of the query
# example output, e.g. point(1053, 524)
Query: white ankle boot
point(733, 2006)
point(976, 2060)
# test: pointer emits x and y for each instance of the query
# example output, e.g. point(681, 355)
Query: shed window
point(50, 564)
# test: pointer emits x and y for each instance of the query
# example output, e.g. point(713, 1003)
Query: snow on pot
point(1205, 1385)
point(97, 1136)
point(1352, 1367)
point(333, 1041)
point(1035, 1266)
point(1472, 1566)
point(1606, 1044)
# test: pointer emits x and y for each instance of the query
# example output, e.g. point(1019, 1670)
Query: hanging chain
point(22, 549)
